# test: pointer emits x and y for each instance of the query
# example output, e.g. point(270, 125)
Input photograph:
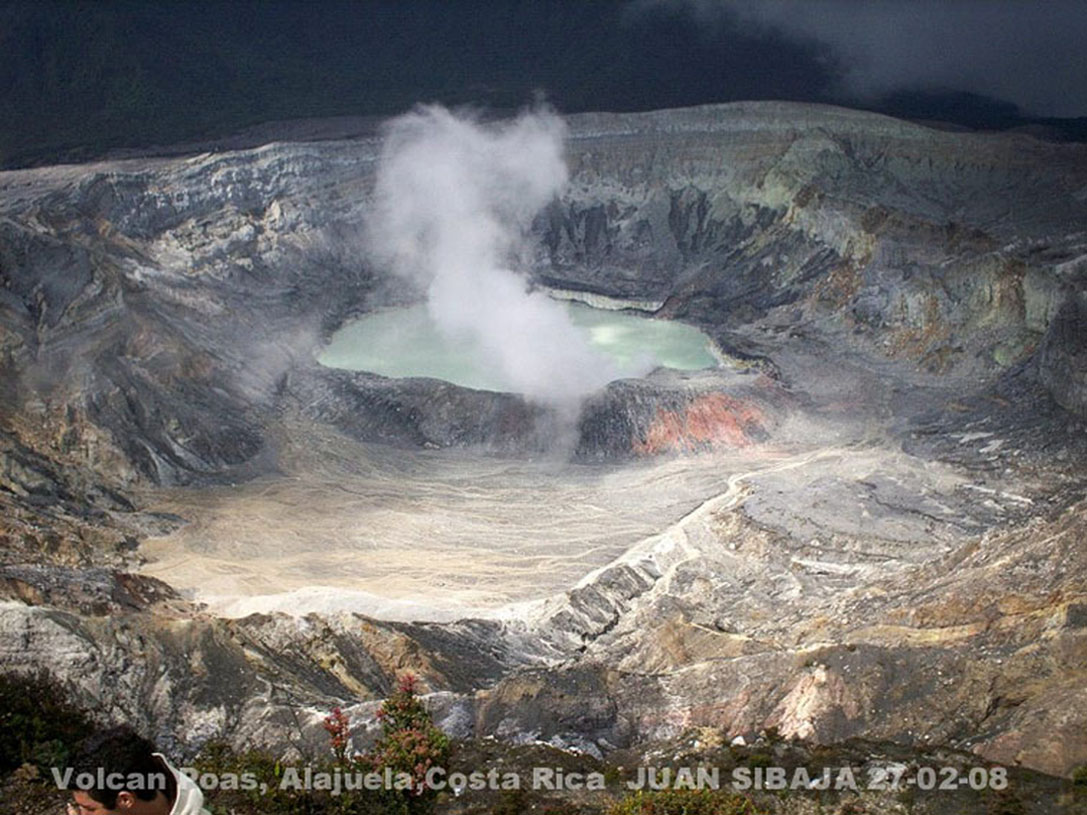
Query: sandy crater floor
point(422, 535)
point(438, 535)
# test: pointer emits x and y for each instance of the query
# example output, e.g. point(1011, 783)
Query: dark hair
point(123, 751)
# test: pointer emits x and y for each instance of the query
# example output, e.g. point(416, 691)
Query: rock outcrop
point(1063, 357)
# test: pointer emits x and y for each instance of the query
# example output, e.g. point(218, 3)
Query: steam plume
point(454, 200)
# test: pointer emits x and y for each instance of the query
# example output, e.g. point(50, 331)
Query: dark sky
point(1029, 52)
point(77, 78)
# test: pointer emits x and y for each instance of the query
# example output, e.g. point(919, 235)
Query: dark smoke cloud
point(1029, 52)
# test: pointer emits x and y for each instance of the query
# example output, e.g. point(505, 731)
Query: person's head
point(124, 776)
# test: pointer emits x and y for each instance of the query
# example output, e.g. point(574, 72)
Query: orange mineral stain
point(714, 419)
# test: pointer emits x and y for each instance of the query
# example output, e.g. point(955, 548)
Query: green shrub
point(410, 744)
point(560, 809)
point(410, 740)
point(1079, 776)
point(512, 802)
point(1004, 802)
point(37, 723)
point(685, 802)
point(756, 760)
point(220, 759)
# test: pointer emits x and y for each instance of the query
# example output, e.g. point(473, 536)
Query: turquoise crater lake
point(404, 342)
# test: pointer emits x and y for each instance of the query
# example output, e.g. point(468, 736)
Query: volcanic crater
point(862, 518)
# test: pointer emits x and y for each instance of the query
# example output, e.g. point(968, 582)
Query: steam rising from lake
point(453, 202)
point(404, 342)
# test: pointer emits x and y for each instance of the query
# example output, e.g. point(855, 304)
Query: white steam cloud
point(454, 199)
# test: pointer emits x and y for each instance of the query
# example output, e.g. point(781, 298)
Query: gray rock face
point(1063, 357)
point(923, 237)
point(418, 412)
point(903, 315)
point(187, 288)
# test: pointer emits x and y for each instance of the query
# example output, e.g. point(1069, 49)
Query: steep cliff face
point(163, 300)
point(902, 319)
point(942, 247)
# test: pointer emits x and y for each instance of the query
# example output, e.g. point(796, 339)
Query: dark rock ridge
point(666, 412)
point(920, 293)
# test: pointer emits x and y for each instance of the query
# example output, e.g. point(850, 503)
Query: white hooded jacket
point(190, 800)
